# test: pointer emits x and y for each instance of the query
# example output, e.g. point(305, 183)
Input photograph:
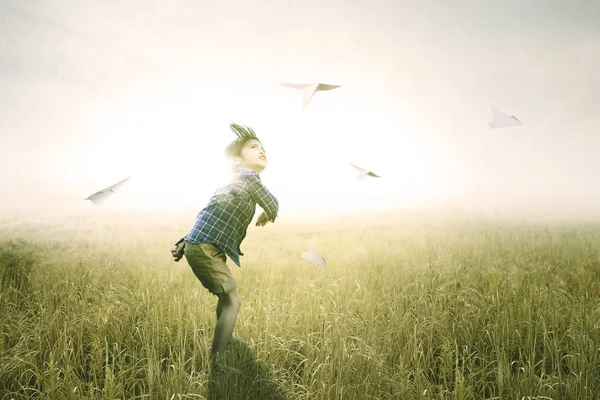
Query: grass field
point(410, 307)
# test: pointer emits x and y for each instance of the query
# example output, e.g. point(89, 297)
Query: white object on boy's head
point(309, 89)
point(313, 256)
point(101, 196)
point(363, 172)
point(502, 120)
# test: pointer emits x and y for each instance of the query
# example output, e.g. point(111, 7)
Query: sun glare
point(170, 140)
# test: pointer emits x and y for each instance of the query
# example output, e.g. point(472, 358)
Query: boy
point(220, 228)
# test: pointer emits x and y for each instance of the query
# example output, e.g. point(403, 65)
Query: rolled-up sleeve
point(262, 196)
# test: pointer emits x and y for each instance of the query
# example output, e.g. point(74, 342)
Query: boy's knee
point(233, 299)
point(236, 300)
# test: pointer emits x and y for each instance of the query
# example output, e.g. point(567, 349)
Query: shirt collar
point(245, 169)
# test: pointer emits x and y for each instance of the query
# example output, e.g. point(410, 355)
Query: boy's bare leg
point(227, 310)
point(233, 339)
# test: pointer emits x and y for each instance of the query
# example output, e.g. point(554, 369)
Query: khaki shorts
point(209, 264)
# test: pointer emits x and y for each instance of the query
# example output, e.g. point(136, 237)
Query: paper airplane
point(101, 196)
point(313, 256)
point(309, 89)
point(501, 120)
point(363, 172)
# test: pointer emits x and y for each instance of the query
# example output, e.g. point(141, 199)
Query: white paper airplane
point(501, 120)
point(363, 172)
point(313, 256)
point(100, 197)
point(309, 89)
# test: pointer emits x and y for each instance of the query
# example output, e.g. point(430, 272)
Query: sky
point(92, 92)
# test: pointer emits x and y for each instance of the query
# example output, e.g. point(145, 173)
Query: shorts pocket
point(211, 250)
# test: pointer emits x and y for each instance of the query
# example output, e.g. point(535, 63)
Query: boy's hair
point(243, 133)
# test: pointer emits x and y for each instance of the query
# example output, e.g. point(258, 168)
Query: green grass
point(407, 309)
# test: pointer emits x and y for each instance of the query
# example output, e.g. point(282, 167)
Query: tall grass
point(416, 310)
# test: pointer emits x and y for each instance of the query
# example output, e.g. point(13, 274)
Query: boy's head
point(247, 150)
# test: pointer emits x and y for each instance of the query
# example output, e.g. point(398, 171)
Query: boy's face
point(253, 156)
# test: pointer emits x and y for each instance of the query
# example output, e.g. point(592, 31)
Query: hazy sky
point(94, 91)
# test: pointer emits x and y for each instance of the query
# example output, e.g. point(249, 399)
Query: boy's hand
point(262, 219)
point(178, 251)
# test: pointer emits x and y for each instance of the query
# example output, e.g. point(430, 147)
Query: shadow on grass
point(255, 382)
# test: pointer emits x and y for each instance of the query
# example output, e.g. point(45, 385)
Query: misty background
point(92, 92)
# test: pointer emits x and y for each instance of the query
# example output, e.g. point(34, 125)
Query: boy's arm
point(263, 197)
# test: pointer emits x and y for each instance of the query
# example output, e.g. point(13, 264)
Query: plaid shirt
point(223, 222)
